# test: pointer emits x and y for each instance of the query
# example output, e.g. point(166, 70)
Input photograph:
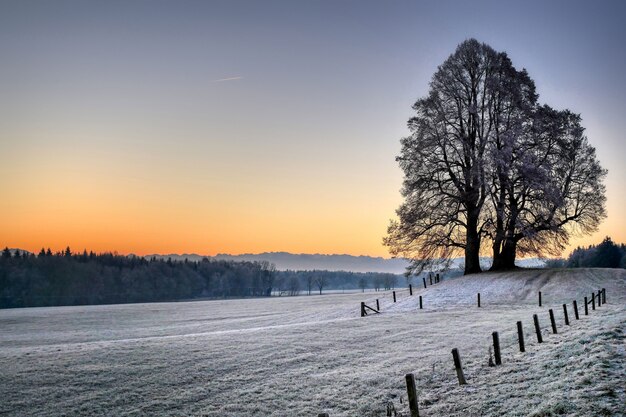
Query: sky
point(251, 126)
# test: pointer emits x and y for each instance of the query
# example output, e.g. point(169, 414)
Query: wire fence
point(510, 339)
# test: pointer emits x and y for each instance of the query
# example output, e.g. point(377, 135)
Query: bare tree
point(486, 163)
point(554, 188)
point(309, 283)
point(390, 281)
point(378, 282)
point(512, 109)
point(320, 282)
point(443, 160)
point(268, 273)
point(362, 284)
point(294, 285)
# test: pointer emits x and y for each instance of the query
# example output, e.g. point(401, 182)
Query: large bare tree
point(445, 179)
point(484, 163)
point(553, 188)
point(512, 112)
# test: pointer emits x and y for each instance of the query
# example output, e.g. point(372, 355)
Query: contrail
point(227, 79)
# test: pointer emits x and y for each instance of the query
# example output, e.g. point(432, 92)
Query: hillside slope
point(298, 356)
point(519, 287)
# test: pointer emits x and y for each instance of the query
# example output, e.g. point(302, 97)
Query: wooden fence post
point(394, 296)
point(537, 329)
point(565, 314)
point(377, 305)
point(593, 300)
point(363, 309)
point(603, 295)
point(496, 348)
point(431, 279)
point(437, 280)
point(586, 307)
point(420, 302)
point(424, 279)
point(599, 298)
point(412, 394)
point(323, 415)
point(478, 299)
point(576, 310)
point(552, 321)
point(520, 336)
point(539, 298)
point(458, 367)
point(410, 289)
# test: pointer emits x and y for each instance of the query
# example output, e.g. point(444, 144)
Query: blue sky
point(233, 126)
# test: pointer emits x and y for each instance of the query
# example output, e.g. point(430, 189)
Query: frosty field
point(299, 356)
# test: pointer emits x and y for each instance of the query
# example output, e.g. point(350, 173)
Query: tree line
point(308, 282)
point(607, 254)
point(489, 169)
point(67, 278)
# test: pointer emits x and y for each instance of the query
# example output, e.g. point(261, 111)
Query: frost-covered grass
point(304, 355)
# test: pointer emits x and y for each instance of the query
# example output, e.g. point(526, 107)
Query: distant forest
point(66, 278)
point(605, 255)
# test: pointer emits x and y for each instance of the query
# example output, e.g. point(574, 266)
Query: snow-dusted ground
point(298, 356)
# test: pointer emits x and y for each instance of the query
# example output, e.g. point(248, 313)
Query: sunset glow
point(146, 129)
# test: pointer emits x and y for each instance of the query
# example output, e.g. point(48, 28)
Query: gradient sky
point(233, 127)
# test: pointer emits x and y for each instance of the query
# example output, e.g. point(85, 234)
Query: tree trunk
point(504, 254)
point(505, 259)
point(472, 247)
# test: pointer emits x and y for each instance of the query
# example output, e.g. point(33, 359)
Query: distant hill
point(286, 260)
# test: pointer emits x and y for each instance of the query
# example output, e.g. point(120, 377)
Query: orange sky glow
point(204, 129)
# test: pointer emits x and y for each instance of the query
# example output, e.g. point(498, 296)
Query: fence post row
point(552, 321)
point(458, 367)
point(496, 348)
point(412, 394)
point(410, 378)
point(537, 329)
point(520, 336)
